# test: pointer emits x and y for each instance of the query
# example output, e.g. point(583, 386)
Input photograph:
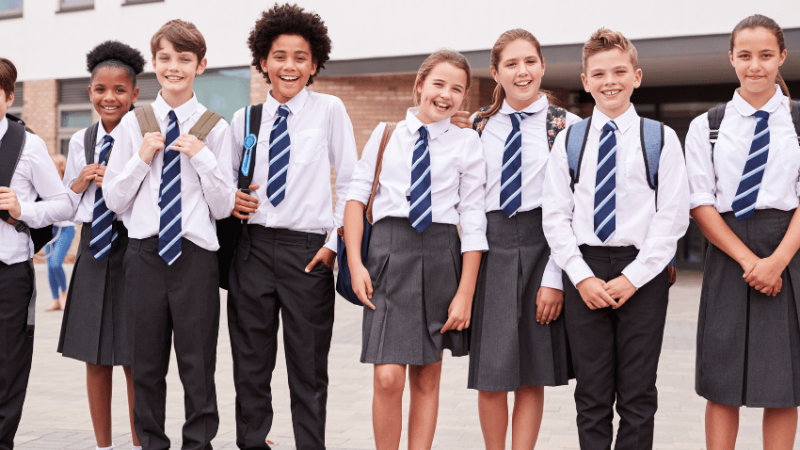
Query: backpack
point(717, 113)
point(556, 121)
point(10, 154)
point(231, 229)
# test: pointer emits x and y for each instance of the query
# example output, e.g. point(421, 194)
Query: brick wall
point(40, 108)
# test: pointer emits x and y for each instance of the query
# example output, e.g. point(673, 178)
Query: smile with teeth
point(174, 78)
point(611, 93)
point(110, 108)
point(289, 78)
point(523, 83)
point(442, 106)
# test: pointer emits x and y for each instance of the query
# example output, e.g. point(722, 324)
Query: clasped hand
point(597, 294)
point(764, 275)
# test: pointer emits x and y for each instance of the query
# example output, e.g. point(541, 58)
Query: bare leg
point(424, 405)
point(129, 379)
point(722, 426)
point(387, 405)
point(528, 409)
point(493, 414)
point(98, 383)
point(780, 426)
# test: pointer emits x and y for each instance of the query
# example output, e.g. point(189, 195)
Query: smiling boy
point(168, 187)
point(283, 264)
point(614, 234)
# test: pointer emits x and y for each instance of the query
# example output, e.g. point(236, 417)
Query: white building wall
point(47, 45)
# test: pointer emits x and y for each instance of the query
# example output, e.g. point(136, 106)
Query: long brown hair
point(441, 56)
point(506, 38)
point(756, 21)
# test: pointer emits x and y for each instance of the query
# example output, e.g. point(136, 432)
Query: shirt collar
point(295, 104)
point(540, 104)
point(623, 122)
point(435, 129)
point(101, 133)
point(3, 127)
point(183, 112)
point(746, 109)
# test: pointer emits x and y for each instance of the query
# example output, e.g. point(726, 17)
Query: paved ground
point(56, 414)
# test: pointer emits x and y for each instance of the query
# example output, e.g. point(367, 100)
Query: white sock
point(136, 447)
point(106, 448)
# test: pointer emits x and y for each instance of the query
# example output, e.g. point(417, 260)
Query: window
point(10, 9)
point(224, 91)
point(75, 5)
point(16, 107)
point(75, 110)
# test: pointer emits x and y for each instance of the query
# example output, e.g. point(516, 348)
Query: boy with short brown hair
point(168, 186)
point(613, 228)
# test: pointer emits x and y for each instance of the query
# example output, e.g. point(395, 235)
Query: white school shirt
point(321, 134)
point(569, 217)
point(535, 152)
point(458, 176)
point(131, 187)
point(36, 175)
point(83, 204)
point(714, 182)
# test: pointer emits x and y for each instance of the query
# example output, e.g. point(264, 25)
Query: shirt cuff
point(26, 212)
point(204, 161)
point(75, 198)
point(637, 273)
point(332, 243)
point(578, 270)
point(358, 192)
point(474, 243)
point(700, 199)
point(553, 280)
point(140, 168)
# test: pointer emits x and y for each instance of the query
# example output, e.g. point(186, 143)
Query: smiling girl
point(744, 196)
point(418, 295)
point(518, 341)
point(96, 327)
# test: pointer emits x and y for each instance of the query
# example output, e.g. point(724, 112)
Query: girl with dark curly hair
point(96, 327)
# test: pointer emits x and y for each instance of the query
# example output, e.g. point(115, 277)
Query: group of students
point(559, 270)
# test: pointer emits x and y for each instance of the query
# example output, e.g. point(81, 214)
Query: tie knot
point(283, 111)
point(107, 139)
point(610, 126)
point(423, 132)
point(761, 115)
point(172, 117)
point(518, 117)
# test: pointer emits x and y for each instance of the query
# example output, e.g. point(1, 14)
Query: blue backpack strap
point(556, 122)
point(480, 120)
point(576, 141)
point(652, 136)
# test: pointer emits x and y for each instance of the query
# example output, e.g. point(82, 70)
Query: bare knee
point(425, 379)
point(389, 380)
point(98, 370)
point(490, 396)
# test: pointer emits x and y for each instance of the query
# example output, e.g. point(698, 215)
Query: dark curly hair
point(290, 19)
point(115, 54)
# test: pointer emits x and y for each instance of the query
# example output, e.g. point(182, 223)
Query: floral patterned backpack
point(556, 121)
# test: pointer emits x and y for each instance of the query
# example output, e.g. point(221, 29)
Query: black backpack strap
point(556, 123)
point(715, 116)
point(479, 123)
point(10, 154)
point(90, 142)
point(796, 118)
point(252, 125)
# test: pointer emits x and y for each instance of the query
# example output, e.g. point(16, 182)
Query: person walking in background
point(56, 250)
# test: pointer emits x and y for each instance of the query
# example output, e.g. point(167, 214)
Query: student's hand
point(101, 172)
point(9, 202)
point(621, 289)
point(362, 284)
point(151, 144)
point(188, 144)
point(245, 204)
point(549, 302)
point(673, 274)
point(459, 313)
point(461, 119)
point(84, 179)
point(765, 276)
point(593, 292)
point(324, 256)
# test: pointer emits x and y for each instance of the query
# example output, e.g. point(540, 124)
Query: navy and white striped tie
point(605, 201)
point(511, 175)
point(169, 200)
point(279, 147)
point(420, 214)
point(103, 234)
point(744, 204)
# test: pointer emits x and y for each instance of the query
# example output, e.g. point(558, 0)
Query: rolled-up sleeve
point(364, 172)
point(472, 193)
point(700, 164)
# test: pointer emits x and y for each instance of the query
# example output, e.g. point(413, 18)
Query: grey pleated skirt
point(97, 326)
point(748, 344)
point(414, 277)
point(508, 348)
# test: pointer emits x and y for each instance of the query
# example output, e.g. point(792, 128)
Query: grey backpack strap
point(576, 142)
point(90, 142)
point(652, 135)
point(147, 119)
point(205, 124)
point(796, 118)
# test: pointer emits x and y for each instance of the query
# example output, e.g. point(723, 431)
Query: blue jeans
point(56, 252)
